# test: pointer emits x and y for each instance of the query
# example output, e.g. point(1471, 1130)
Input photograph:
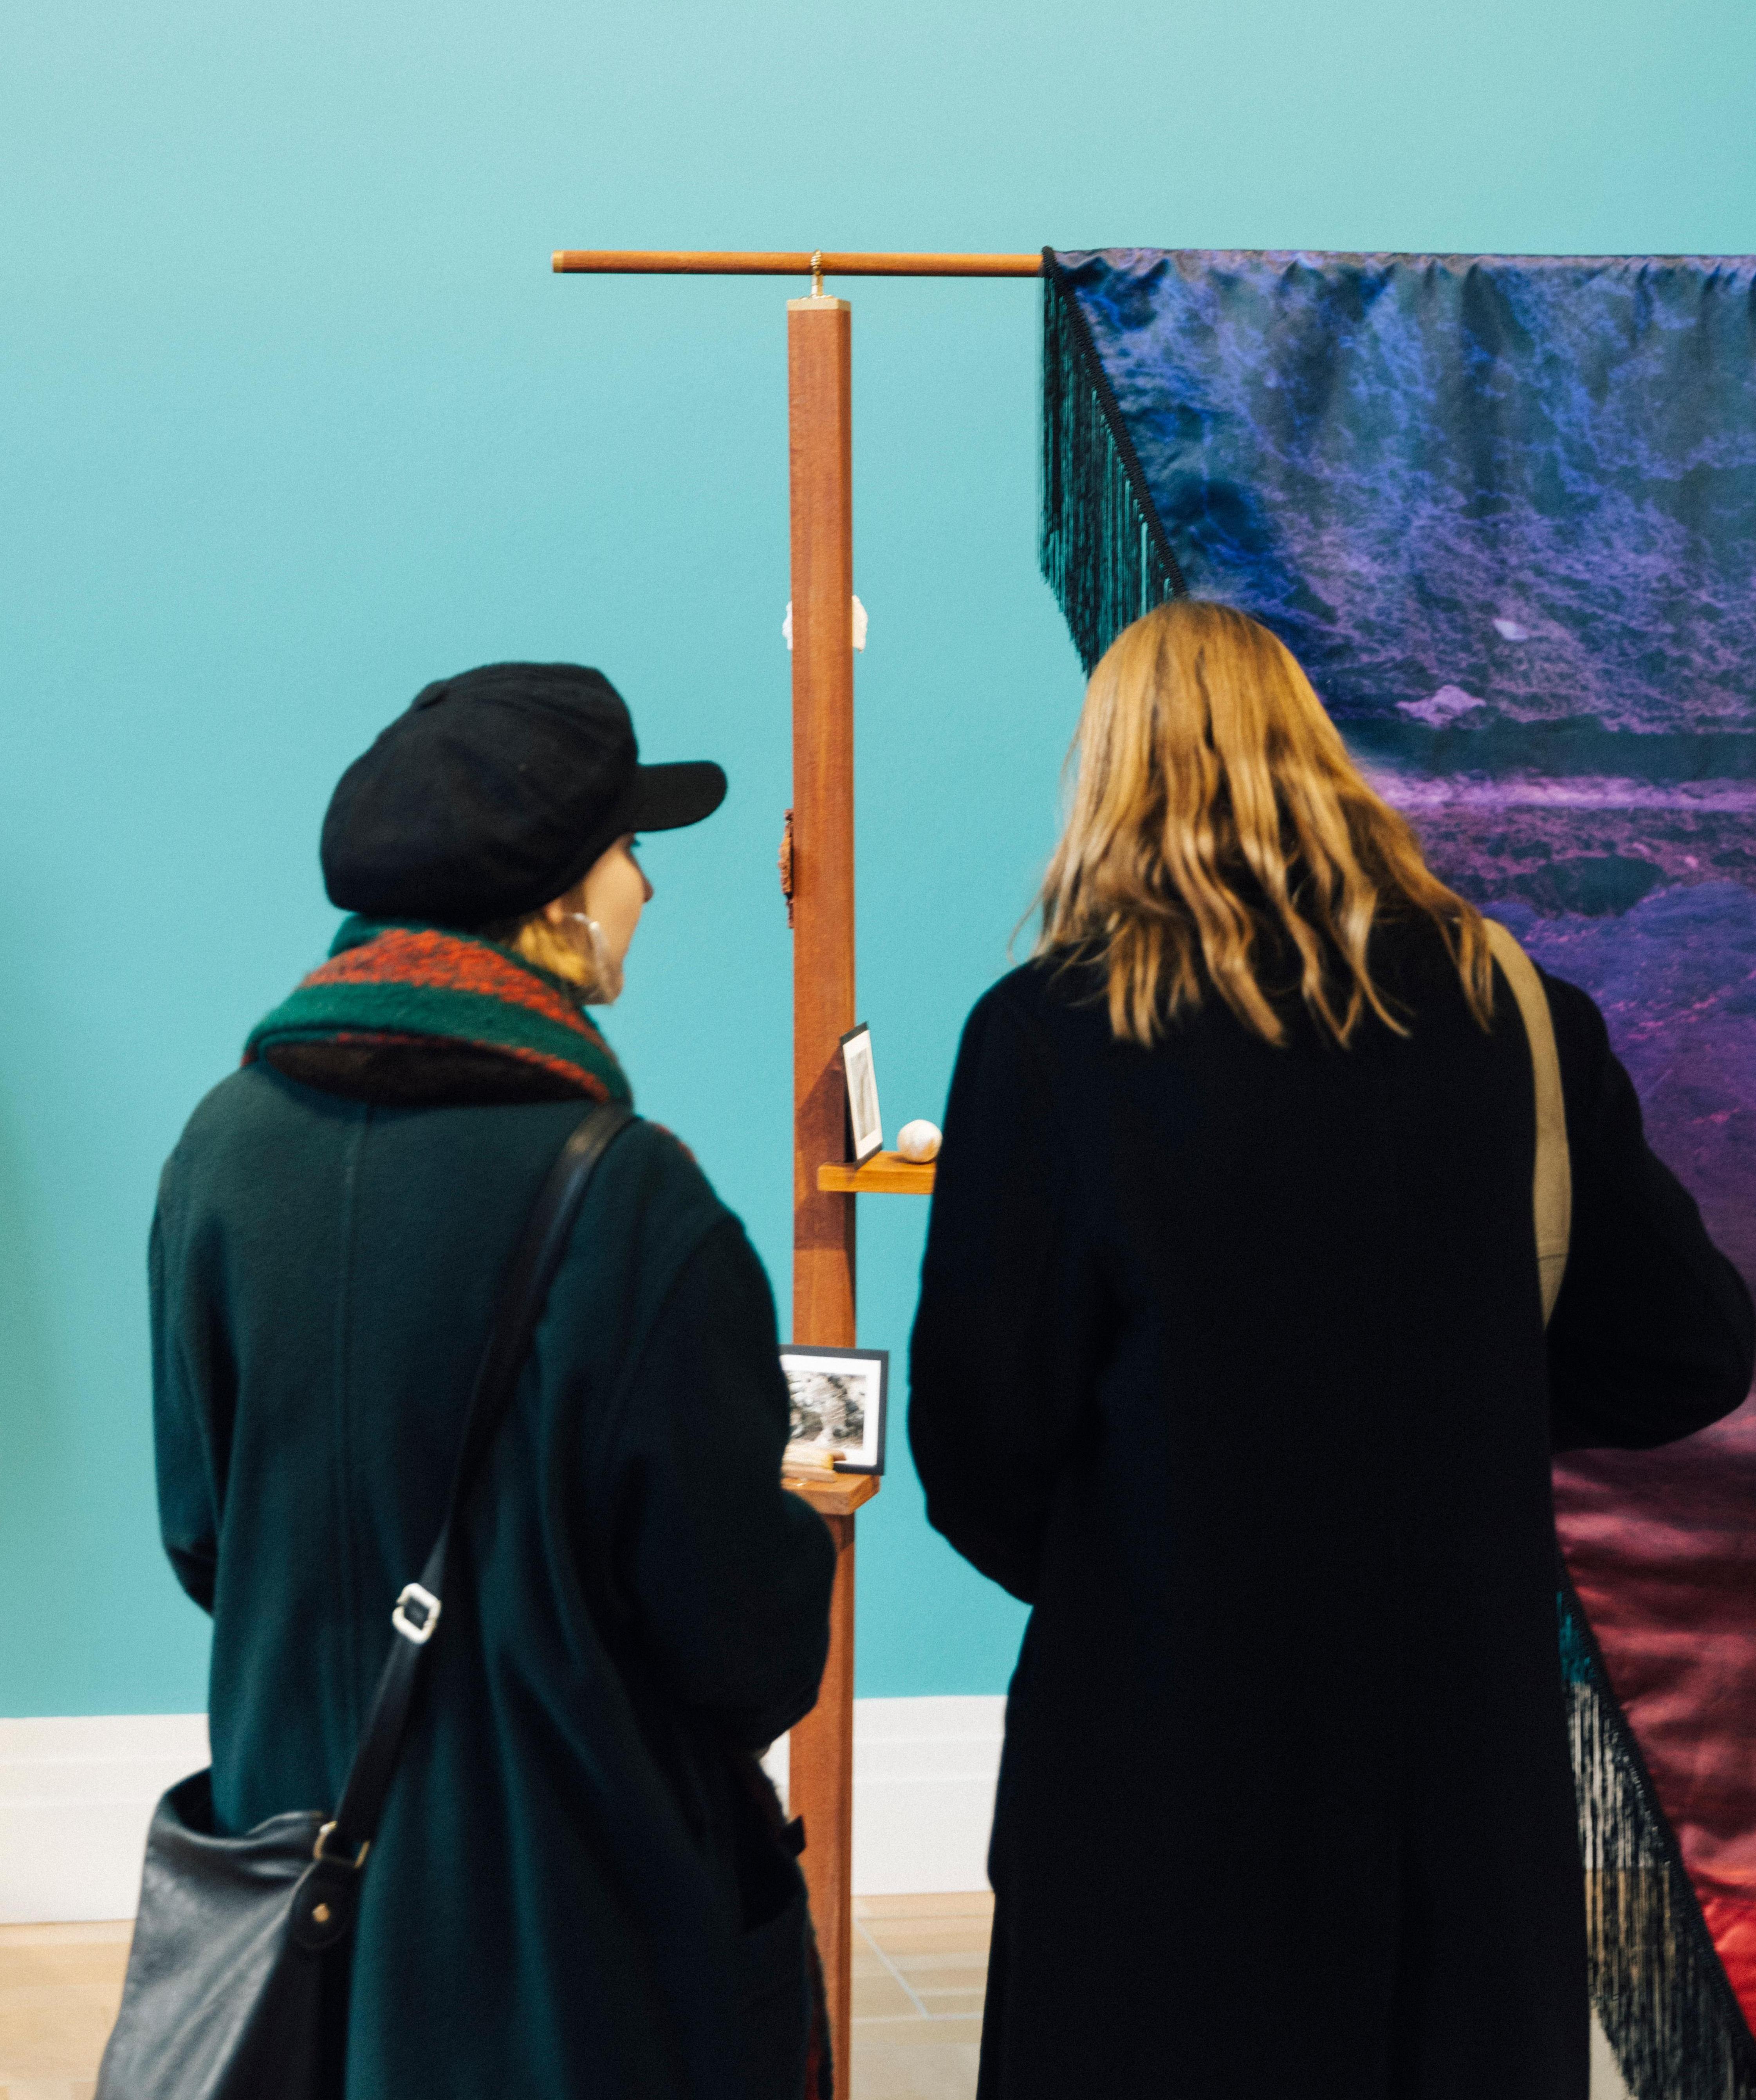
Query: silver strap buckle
point(419, 1629)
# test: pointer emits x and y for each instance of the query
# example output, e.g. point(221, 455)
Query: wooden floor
point(919, 1966)
point(58, 1988)
point(920, 1963)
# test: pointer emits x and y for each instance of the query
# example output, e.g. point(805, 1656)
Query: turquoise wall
point(295, 418)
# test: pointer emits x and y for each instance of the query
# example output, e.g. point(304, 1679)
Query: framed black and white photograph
point(864, 1122)
point(838, 1398)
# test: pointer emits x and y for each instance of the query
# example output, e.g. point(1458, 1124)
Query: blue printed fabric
point(1503, 510)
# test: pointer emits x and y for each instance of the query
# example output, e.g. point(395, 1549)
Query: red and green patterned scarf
point(411, 1011)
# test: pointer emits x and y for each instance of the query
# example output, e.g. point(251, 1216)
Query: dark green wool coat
point(572, 1892)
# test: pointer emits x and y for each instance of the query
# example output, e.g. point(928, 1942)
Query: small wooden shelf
point(884, 1174)
point(832, 1494)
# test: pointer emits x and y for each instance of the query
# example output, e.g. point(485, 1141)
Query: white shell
point(918, 1140)
point(859, 625)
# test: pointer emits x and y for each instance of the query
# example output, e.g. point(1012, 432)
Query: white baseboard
point(76, 1796)
point(923, 1775)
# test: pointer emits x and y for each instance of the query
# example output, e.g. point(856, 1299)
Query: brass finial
point(817, 273)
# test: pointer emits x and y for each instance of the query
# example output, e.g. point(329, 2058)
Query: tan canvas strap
point(1552, 1186)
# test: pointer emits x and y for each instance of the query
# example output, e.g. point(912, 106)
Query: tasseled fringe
point(1104, 549)
point(1677, 2030)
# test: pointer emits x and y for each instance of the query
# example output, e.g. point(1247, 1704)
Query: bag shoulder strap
point(417, 1615)
point(1552, 1186)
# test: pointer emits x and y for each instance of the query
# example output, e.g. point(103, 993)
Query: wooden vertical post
point(821, 456)
point(819, 860)
point(820, 1788)
point(821, 1753)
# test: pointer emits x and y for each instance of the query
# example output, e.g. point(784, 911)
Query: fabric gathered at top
point(420, 1010)
point(1502, 509)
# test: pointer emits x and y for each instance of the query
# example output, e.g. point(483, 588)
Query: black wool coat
point(1229, 1362)
point(572, 1892)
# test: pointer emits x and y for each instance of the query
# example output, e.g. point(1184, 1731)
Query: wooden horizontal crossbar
point(787, 262)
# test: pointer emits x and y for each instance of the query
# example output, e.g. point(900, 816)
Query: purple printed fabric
point(1503, 510)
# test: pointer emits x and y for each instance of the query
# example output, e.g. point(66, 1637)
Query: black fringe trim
point(1661, 1990)
point(1104, 548)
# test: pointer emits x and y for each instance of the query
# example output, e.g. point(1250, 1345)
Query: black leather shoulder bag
point(231, 1986)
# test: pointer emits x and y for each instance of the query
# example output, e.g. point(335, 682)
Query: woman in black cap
point(577, 1886)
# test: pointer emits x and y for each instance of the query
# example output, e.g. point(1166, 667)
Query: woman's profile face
point(613, 892)
point(616, 893)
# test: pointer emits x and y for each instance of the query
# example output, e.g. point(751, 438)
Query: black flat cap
point(494, 792)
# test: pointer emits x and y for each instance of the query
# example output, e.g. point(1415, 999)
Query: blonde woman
point(1230, 1363)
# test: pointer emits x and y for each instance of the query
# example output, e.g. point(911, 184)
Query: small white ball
point(918, 1140)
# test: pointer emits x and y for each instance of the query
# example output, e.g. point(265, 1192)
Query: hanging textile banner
point(1503, 511)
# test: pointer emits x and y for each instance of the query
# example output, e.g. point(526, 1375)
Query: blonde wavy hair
point(549, 948)
point(1216, 808)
